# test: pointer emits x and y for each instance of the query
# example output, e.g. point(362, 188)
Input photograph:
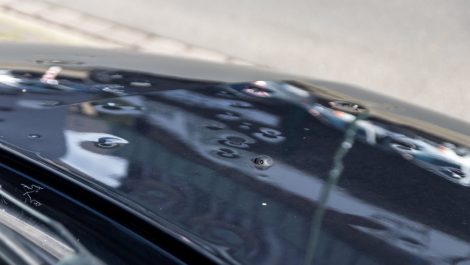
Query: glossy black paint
point(180, 143)
point(87, 223)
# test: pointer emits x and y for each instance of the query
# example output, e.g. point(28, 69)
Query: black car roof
point(185, 151)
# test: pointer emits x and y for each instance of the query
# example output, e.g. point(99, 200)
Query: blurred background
point(414, 50)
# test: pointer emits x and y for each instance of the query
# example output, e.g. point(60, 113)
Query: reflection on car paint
point(430, 155)
point(108, 169)
point(28, 194)
point(50, 75)
point(28, 237)
point(186, 154)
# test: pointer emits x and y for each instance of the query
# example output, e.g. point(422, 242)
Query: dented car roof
point(235, 165)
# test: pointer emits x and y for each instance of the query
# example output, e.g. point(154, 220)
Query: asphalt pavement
point(414, 50)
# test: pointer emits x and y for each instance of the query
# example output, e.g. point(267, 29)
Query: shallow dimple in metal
point(263, 162)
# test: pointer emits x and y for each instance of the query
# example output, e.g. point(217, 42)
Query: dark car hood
point(180, 142)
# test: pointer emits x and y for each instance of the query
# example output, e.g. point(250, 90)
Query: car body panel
point(176, 141)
